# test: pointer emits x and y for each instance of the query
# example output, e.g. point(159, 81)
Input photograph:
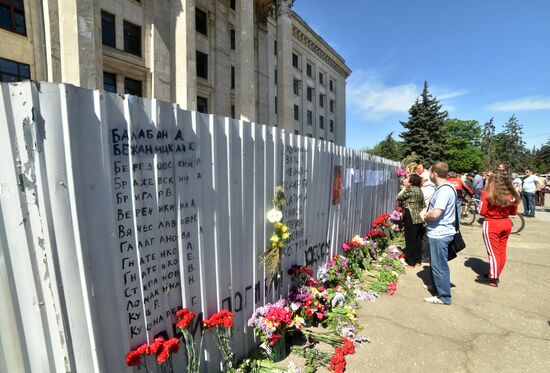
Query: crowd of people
point(432, 201)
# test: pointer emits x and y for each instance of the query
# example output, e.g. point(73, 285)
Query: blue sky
point(481, 58)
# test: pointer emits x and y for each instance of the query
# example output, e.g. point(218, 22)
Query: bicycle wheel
point(468, 216)
point(518, 223)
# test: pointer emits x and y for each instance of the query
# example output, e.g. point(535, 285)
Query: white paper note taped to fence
point(357, 176)
point(349, 175)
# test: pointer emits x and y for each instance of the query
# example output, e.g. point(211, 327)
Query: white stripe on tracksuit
point(492, 260)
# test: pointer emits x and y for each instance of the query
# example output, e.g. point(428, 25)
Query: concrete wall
point(116, 210)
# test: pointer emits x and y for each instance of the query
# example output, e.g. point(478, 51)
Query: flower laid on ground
point(392, 287)
point(381, 221)
point(185, 317)
point(221, 324)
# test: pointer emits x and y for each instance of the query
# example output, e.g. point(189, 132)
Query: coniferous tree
point(424, 133)
point(514, 144)
point(388, 148)
point(487, 143)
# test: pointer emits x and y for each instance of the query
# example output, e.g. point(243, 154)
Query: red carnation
point(171, 345)
point(133, 358)
point(223, 318)
point(155, 346)
point(185, 317)
point(338, 360)
point(274, 339)
point(348, 347)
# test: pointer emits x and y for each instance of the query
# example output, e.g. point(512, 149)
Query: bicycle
point(470, 210)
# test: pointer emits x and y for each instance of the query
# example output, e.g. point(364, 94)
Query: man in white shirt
point(531, 184)
point(440, 228)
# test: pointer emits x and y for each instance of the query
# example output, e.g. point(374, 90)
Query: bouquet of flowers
point(399, 172)
point(279, 238)
point(160, 347)
point(270, 323)
point(308, 304)
point(185, 317)
point(357, 254)
point(334, 271)
point(221, 323)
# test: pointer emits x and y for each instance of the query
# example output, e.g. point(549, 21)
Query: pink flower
point(392, 287)
point(346, 247)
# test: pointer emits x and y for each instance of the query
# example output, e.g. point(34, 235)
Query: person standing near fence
point(499, 200)
point(440, 228)
point(478, 184)
point(461, 190)
point(531, 184)
point(412, 200)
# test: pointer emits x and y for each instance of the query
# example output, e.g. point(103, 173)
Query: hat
point(471, 174)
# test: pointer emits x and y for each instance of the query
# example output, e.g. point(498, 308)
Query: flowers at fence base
point(185, 317)
point(133, 358)
point(271, 321)
point(274, 216)
point(401, 172)
point(375, 233)
point(170, 346)
point(221, 324)
point(392, 287)
point(381, 221)
point(396, 216)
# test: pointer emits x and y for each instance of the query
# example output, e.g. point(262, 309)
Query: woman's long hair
point(500, 190)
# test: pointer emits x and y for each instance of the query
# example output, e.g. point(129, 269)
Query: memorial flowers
point(185, 317)
point(399, 172)
point(279, 238)
point(160, 347)
point(270, 323)
point(221, 323)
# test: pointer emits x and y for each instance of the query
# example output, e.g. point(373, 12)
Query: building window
point(310, 117)
point(275, 47)
point(275, 104)
point(275, 74)
point(202, 104)
point(202, 65)
point(133, 87)
point(309, 70)
point(321, 138)
point(309, 94)
point(12, 16)
point(321, 78)
point(296, 87)
point(201, 22)
point(232, 77)
point(331, 126)
point(233, 111)
point(109, 82)
point(296, 132)
point(132, 38)
point(332, 106)
point(108, 33)
point(296, 112)
point(321, 121)
point(322, 100)
point(232, 4)
point(233, 39)
point(331, 85)
point(309, 135)
point(11, 71)
point(295, 60)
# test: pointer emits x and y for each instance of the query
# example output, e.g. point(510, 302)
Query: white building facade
point(254, 60)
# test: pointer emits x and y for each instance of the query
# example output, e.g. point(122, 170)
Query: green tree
point(515, 146)
point(424, 129)
point(388, 148)
point(487, 144)
point(463, 138)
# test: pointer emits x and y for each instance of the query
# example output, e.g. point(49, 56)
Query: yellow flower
point(284, 228)
point(278, 225)
point(274, 238)
point(286, 236)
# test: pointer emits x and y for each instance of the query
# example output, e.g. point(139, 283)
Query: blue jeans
point(441, 274)
point(528, 203)
point(459, 201)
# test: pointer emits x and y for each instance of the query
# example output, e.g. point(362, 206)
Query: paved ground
point(504, 329)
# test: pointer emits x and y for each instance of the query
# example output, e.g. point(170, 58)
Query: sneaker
point(428, 287)
point(433, 300)
point(488, 281)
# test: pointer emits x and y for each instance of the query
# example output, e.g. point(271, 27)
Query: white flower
point(274, 216)
point(338, 300)
point(292, 368)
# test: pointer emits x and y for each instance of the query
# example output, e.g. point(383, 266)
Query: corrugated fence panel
point(116, 211)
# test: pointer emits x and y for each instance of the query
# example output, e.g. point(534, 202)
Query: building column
point(245, 84)
point(285, 104)
point(183, 57)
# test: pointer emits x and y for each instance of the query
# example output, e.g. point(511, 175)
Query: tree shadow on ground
point(480, 267)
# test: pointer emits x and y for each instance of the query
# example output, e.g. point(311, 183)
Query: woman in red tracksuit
point(499, 200)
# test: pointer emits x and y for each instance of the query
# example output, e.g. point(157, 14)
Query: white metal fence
point(115, 211)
